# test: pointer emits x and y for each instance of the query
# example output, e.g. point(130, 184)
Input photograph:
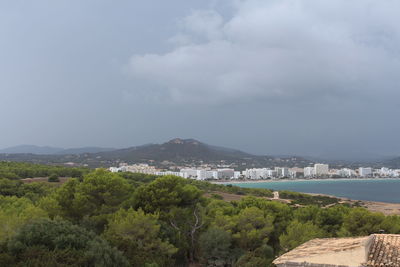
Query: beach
point(375, 194)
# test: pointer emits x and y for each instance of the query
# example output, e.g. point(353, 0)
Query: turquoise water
point(384, 190)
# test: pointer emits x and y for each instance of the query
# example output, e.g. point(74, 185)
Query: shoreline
point(248, 181)
point(387, 208)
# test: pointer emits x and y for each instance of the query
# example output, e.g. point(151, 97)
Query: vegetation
point(18, 170)
point(304, 199)
point(107, 219)
point(209, 187)
point(53, 178)
point(60, 243)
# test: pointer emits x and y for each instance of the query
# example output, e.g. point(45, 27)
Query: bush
point(217, 196)
point(53, 178)
point(60, 243)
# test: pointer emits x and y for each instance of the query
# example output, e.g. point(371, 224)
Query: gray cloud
point(304, 77)
point(294, 49)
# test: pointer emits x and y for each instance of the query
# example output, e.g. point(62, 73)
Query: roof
point(340, 251)
point(384, 251)
point(371, 251)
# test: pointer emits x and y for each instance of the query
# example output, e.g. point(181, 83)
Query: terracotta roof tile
point(384, 251)
point(378, 250)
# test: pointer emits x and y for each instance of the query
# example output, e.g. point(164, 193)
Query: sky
point(274, 77)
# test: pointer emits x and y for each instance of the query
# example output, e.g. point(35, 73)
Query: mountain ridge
point(175, 152)
point(49, 150)
point(179, 152)
point(30, 149)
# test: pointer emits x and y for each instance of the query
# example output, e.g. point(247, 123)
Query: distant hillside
point(393, 163)
point(83, 150)
point(176, 152)
point(186, 152)
point(31, 149)
point(47, 150)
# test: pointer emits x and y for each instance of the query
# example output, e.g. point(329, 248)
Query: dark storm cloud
point(270, 77)
point(279, 49)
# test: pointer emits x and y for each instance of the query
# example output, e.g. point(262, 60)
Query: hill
point(176, 152)
point(31, 149)
point(393, 163)
point(82, 150)
point(48, 150)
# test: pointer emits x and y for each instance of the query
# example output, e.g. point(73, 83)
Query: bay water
point(383, 190)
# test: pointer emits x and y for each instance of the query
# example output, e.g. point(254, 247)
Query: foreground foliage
point(106, 219)
point(58, 243)
point(20, 170)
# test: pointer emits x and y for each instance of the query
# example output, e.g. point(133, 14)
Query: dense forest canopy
point(20, 170)
point(98, 218)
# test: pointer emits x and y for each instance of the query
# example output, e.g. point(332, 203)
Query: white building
point(138, 168)
point(198, 174)
point(365, 172)
point(225, 173)
point(212, 174)
point(255, 173)
point(284, 172)
point(271, 173)
point(296, 172)
point(309, 172)
point(345, 172)
point(259, 173)
point(114, 169)
point(386, 172)
point(170, 173)
point(321, 169)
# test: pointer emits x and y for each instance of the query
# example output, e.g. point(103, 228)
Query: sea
point(382, 190)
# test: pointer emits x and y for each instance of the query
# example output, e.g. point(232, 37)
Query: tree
point(251, 260)
point(360, 221)
point(60, 243)
point(65, 197)
point(90, 201)
point(298, 233)
point(10, 187)
point(165, 193)
point(252, 228)
point(101, 190)
point(281, 214)
point(138, 235)
point(33, 191)
point(16, 212)
point(53, 178)
point(307, 213)
point(391, 224)
point(215, 248)
point(331, 219)
point(187, 222)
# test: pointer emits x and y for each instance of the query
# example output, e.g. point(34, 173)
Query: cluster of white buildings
point(319, 170)
point(192, 173)
point(136, 168)
point(264, 173)
point(368, 172)
point(203, 174)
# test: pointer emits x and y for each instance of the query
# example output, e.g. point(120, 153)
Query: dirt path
point(385, 208)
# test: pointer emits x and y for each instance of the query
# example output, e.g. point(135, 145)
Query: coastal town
point(318, 170)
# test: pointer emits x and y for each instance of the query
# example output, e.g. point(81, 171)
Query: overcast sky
point(305, 77)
